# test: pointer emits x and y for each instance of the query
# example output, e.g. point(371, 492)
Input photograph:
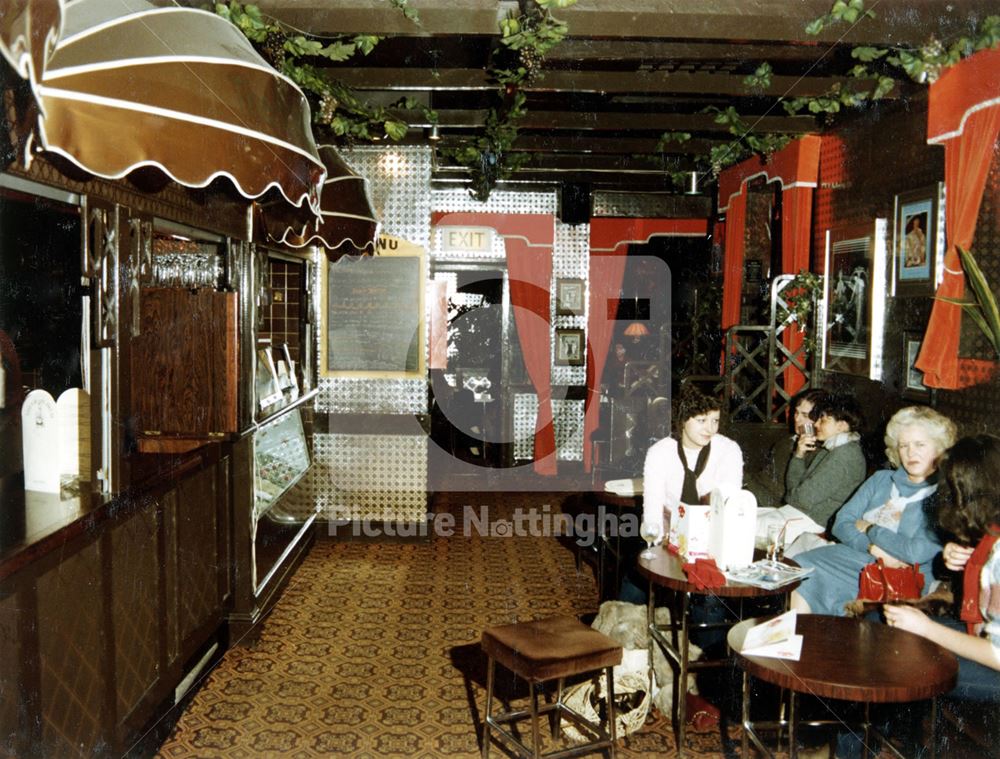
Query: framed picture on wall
point(569, 297)
point(854, 315)
point(917, 240)
point(569, 347)
point(913, 379)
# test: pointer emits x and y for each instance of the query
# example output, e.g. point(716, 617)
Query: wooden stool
point(543, 650)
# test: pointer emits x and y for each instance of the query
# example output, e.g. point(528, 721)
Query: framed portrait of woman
point(917, 240)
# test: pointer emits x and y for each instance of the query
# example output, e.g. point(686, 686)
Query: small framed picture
point(569, 297)
point(569, 347)
point(913, 379)
point(917, 241)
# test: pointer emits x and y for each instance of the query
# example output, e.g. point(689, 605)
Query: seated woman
point(826, 467)
point(968, 507)
point(970, 510)
point(885, 519)
point(768, 484)
point(685, 470)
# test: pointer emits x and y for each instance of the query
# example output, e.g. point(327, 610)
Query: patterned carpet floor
point(373, 651)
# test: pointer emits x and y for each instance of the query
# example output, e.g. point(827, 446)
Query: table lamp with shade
point(636, 330)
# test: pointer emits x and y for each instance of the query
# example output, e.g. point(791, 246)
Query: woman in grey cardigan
point(822, 484)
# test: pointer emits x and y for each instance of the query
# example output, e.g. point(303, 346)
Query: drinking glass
point(775, 542)
point(650, 532)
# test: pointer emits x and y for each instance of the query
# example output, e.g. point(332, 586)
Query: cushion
point(546, 649)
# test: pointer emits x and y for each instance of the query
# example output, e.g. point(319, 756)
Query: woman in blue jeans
point(969, 509)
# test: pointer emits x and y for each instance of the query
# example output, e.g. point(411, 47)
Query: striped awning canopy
point(347, 219)
point(131, 85)
point(29, 30)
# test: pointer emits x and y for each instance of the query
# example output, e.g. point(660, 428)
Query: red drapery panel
point(732, 262)
point(796, 228)
point(964, 114)
point(529, 239)
point(530, 273)
point(607, 270)
point(796, 167)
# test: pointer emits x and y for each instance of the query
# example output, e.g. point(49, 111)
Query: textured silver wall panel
point(458, 199)
point(567, 420)
point(379, 477)
point(372, 396)
point(570, 258)
point(398, 179)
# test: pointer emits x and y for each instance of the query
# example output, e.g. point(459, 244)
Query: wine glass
point(650, 532)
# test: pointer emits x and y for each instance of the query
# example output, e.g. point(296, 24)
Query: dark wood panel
point(135, 594)
point(171, 576)
point(225, 548)
point(184, 364)
point(12, 693)
point(197, 553)
point(73, 679)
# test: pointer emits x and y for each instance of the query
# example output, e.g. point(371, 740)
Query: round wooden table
point(666, 570)
point(848, 659)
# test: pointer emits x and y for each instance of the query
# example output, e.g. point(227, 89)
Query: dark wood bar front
point(108, 608)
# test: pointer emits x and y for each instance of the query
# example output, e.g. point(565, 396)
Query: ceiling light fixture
point(434, 136)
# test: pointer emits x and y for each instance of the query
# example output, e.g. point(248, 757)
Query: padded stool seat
point(543, 650)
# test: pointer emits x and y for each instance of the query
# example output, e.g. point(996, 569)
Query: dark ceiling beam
point(586, 144)
point(627, 164)
point(909, 22)
point(539, 178)
point(659, 82)
point(616, 122)
point(591, 50)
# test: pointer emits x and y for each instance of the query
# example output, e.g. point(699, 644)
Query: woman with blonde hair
point(885, 519)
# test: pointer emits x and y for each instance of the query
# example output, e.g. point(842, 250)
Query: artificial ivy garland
point(335, 107)
point(526, 37)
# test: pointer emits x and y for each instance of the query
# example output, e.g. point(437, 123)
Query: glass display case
point(282, 514)
point(281, 458)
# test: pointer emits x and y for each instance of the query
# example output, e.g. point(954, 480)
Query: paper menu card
point(775, 638)
point(734, 516)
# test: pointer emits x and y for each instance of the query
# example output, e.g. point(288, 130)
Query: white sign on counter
point(40, 441)
point(73, 427)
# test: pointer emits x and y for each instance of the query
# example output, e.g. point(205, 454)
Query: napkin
point(704, 573)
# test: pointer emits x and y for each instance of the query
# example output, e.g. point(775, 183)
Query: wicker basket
point(632, 701)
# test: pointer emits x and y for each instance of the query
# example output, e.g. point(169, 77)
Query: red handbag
point(881, 583)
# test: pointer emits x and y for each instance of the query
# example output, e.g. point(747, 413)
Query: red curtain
point(530, 273)
point(967, 158)
point(607, 270)
point(732, 274)
point(796, 228)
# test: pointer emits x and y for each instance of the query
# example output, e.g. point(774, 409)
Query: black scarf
point(689, 492)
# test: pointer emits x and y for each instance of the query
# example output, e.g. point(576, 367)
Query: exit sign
point(477, 239)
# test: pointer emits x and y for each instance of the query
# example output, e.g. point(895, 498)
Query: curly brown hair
point(691, 403)
point(970, 504)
